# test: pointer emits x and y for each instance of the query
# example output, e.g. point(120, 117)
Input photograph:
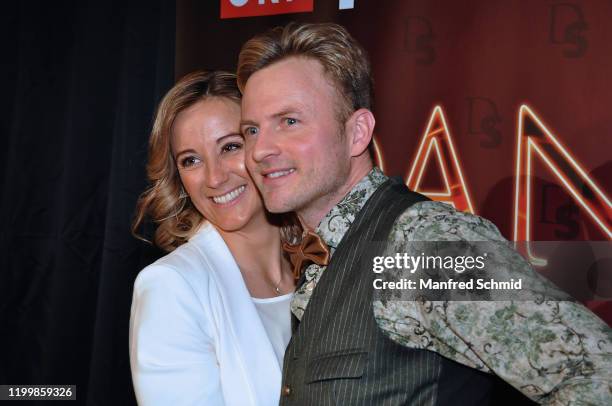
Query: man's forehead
point(275, 107)
point(288, 73)
point(293, 84)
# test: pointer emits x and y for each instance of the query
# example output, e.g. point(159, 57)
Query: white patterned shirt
point(554, 352)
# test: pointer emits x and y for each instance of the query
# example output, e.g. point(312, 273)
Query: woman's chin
point(235, 223)
point(230, 227)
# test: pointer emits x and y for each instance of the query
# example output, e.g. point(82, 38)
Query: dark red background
point(479, 60)
point(80, 83)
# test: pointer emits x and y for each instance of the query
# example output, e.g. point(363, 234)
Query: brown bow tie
point(311, 249)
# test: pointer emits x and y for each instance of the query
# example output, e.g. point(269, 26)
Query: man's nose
point(263, 146)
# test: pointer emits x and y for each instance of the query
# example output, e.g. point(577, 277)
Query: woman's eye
point(189, 161)
point(233, 146)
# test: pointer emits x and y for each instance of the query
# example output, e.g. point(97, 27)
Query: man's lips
point(271, 174)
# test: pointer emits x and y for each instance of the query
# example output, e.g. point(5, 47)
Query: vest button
point(286, 391)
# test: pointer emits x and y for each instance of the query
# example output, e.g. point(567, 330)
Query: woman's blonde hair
point(165, 201)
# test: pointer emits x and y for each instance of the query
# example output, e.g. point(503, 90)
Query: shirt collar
point(337, 222)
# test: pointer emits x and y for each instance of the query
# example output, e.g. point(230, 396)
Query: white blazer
point(195, 335)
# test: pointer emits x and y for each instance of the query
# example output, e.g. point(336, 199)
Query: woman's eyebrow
point(235, 134)
point(185, 151)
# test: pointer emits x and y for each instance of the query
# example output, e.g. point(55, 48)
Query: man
point(307, 122)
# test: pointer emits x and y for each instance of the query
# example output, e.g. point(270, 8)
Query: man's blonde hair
point(344, 60)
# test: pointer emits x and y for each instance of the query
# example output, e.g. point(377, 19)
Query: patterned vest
point(339, 356)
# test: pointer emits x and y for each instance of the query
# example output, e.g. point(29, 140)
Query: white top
point(196, 337)
point(275, 315)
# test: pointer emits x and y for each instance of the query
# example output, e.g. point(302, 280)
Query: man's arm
point(555, 352)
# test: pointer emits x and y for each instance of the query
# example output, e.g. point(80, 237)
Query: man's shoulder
point(437, 221)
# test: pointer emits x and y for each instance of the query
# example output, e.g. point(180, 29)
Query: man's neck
point(312, 215)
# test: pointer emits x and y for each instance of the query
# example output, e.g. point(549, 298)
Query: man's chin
point(277, 204)
point(277, 208)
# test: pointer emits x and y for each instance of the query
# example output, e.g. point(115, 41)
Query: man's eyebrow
point(247, 122)
point(285, 112)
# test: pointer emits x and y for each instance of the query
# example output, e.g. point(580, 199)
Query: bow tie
point(311, 249)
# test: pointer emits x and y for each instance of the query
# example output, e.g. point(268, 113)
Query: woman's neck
point(257, 250)
point(254, 243)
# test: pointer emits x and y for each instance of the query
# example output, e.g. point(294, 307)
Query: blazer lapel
point(241, 316)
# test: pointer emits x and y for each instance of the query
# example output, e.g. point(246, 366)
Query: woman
point(210, 321)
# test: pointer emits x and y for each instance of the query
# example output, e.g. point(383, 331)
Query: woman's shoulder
point(189, 262)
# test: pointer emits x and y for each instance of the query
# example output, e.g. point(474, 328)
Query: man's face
point(295, 149)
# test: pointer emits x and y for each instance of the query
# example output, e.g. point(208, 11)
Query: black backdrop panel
point(79, 92)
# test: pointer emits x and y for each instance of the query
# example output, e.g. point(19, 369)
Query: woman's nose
point(216, 174)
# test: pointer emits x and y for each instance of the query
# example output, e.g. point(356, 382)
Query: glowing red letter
point(437, 137)
point(533, 136)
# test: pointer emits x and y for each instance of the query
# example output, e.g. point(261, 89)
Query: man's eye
point(251, 131)
point(189, 161)
point(291, 121)
point(232, 146)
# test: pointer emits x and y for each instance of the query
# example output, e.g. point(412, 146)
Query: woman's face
point(209, 152)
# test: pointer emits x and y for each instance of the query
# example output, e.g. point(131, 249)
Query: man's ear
point(359, 130)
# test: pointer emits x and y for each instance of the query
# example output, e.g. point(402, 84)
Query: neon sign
point(437, 137)
point(534, 139)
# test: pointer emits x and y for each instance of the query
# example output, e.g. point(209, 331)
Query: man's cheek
point(250, 163)
point(302, 151)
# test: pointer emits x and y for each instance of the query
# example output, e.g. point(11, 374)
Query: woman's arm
point(172, 352)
